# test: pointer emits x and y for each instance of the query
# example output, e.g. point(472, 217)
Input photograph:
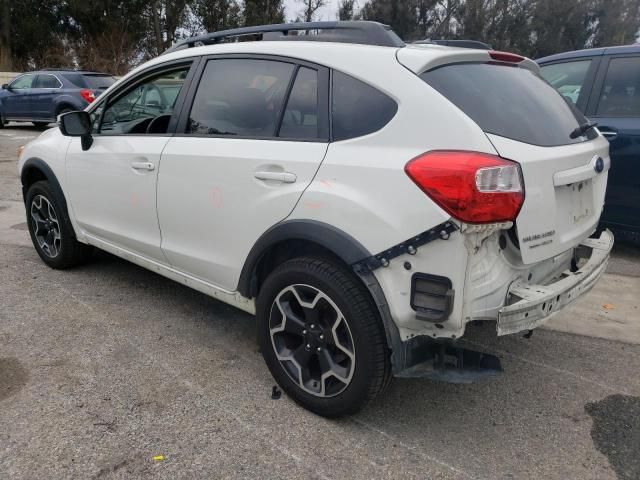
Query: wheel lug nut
point(319, 349)
point(308, 347)
point(304, 332)
point(321, 337)
point(313, 326)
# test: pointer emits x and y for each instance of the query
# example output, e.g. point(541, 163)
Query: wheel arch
point(310, 236)
point(34, 170)
point(294, 238)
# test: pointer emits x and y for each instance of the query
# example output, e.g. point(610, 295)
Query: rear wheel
point(321, 336)
point(50, 228)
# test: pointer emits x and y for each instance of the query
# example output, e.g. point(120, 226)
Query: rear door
point(529, 122)
point(615, 106)
point(17, 103)
point(44, 91)
point(250, 141)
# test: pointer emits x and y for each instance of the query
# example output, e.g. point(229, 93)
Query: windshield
point(509, 101)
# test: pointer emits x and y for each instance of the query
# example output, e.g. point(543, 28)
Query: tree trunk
point(6, 64)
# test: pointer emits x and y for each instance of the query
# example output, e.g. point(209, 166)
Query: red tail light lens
point(505, 56)
point(87, 94)
point(471, 186)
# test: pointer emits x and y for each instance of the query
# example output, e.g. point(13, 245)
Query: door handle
point(284, 177)
point(143, 166)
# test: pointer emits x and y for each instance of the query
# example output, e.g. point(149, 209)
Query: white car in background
point(364, 198)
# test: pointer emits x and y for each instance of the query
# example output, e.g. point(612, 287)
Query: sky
point(328, 12)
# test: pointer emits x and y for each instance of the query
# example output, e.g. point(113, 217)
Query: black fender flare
point(341, 244)
point(39, 164)
point(345, 247)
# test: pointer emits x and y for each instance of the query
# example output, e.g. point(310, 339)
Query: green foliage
point(115, 35)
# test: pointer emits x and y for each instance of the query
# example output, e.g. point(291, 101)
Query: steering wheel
point(159, 124)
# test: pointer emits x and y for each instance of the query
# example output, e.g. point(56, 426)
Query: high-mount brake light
point(87, 95)
point(471, 186)
point(505, 56)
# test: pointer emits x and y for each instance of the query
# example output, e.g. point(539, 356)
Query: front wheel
point(321, 336)
point(40, 124)
point(50, 228)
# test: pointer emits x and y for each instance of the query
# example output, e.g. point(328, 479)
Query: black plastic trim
point(343, 245)
point(359, 32)
point(410, 246)
point(39, 164)
point(428, 314)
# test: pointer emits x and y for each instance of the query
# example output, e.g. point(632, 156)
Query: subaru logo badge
point(599, 166)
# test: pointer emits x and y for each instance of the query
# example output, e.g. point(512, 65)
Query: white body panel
point(113, 198)
point(564, 194)
point(211, 206)
point(209, 209)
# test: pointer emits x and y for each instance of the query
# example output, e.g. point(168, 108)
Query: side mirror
point(77, 124)
point(5, 86)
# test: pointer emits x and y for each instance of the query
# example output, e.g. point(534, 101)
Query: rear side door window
point(358, 109)
point(570, 79)
point(620, 93)
point(241, 97)
point(301, 115)
point(47, 81)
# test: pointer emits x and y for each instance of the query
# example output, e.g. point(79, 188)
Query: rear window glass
point(97, 82)
point(358, 109)
point(508, 101)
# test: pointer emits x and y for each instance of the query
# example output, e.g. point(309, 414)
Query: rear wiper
point(582, 129)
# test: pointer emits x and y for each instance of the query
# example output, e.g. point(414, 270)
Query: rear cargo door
point(564, 193)
point(529, 122)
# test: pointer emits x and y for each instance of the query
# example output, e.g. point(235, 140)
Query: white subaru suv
point(364, 198)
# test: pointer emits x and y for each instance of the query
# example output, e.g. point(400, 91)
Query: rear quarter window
point(358, 109)
point(97, 82)
point(508, 101)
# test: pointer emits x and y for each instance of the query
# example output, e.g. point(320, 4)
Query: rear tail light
point(87, 95)
point(505, 57)
point(471, 186)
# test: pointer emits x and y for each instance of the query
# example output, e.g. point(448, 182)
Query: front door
point(17, 104)
point(251, 141)
point(617, 113)
point(113, 184)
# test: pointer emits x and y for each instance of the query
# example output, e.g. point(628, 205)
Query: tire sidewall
point(66, 231)
point(351, 398)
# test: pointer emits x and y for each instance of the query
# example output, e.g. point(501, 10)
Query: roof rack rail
point(360, 32)
point(457, 43)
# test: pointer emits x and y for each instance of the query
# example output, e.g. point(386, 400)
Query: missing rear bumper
point(534, 304)
point(446, 362)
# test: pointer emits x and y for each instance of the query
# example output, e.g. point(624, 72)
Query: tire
point(40, 124)
point(51, 230)
point(343, 331)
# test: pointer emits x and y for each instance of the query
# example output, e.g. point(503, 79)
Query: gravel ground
point(106, 366)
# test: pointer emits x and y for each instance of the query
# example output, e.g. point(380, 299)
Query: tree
point(346, 10)
point(6, 62)
point(310, 8)
point(215, 15)
point(615, 22)
point(263, 12)
point(399, 14)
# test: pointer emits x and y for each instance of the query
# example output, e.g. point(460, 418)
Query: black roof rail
point(457, 43)
point(360, 32)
